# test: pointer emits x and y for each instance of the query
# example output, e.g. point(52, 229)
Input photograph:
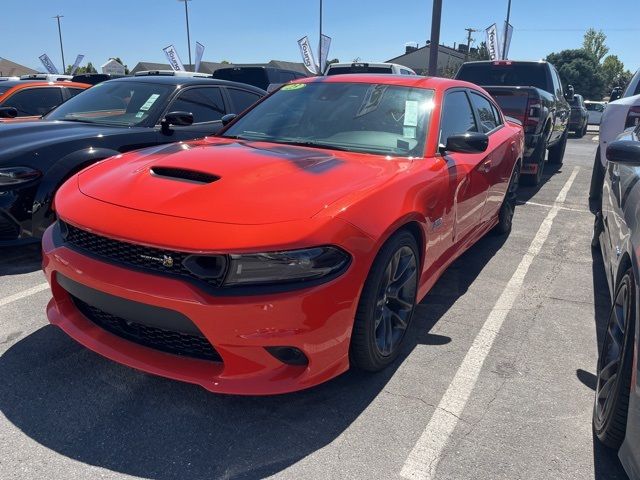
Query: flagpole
point(506, 31)
point(321, 67)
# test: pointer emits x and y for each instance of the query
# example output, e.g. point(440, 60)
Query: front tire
point(611, 403)
point(386, 305)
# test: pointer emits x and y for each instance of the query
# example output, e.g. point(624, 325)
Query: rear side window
point(205, 104)
point(241, 99)
point(74, 91)
point(35, 101)
point(486, 113)
point(522, 74)
point(457, 116)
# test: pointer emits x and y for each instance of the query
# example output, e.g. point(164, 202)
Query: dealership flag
point(508, 31)
point(48, 64)
point(174, 59)
point(493, 43)
point(325, 44)
point(307, 55)
point(199, 53)
point(76, 64)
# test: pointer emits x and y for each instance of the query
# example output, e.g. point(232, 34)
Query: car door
point(472, 182)
point(497, 167)
point(35, 101)
point(207, 106)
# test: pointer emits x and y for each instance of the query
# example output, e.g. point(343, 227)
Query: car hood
point(17, 137)
point(235, 182)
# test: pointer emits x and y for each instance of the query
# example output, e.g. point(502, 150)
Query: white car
point(621, 114)
point(595, 109)
point(368, 67)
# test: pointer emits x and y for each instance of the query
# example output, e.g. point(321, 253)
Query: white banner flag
point(76, 64)
point(325, 44)
point(307, 55)
point(174, 59)
point(493, 43)
point(199, 53)
point(508, 29)
point(48, 64)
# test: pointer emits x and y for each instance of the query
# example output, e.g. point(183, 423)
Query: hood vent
point(183, 174)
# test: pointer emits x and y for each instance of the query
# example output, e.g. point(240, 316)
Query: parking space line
point(423, 460)
point(25, 293)
point(571, 209)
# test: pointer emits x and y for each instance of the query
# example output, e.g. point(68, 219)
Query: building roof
point(441, 49)
point(12, 69)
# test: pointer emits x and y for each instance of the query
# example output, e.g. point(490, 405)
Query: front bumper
point(316, 320)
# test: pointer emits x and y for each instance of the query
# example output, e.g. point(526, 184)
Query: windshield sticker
point(410, 113)
point(409, 132)
point(147, 105)
point(139, 114)
point(293, 86)
point(371, 100)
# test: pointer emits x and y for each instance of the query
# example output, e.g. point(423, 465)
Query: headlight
point(285, 267)
point(16, 175)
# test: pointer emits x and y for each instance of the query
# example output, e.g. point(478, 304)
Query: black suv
point(111, 118)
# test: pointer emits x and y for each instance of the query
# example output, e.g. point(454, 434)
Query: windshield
point(359, 117)
point(520, 74)
point(115, 103)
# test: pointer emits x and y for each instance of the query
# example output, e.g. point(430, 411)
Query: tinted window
point(205, 104)
point(358, 69)
point(74, 91)
point(255, 76)
point(457, 116)
point(241, 99)
point(522, 74)
point(485, 112)
point(496, 113)
point(286, 77)
point(359, 117)
point(35, 101)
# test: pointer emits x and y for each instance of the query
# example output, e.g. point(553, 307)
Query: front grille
point(139, 256)
point(9, 230)
point(177, 343)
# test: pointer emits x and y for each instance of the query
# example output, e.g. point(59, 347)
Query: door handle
point(486, 166)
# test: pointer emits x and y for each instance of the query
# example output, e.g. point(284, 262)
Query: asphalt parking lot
point(496, 382)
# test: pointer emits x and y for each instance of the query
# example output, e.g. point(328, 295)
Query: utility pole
point(64, 65)
point(506, 30)
point(436, 17)
point(186, 14)
point(469, 32)
point(321, 67)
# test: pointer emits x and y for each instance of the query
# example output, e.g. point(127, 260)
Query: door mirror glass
point(179, 119)
point(8, 112)
point(470, 142)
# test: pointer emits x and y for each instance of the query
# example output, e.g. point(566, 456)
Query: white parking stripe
point(25, 293)
point(423, 459)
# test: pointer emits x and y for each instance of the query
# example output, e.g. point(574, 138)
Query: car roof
point(416, 81)
point(40, 83)
point(186, 81)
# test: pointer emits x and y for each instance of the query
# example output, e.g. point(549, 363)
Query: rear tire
point(556, 153)
point(386, 305)
point(611, 404)
point(538, 157)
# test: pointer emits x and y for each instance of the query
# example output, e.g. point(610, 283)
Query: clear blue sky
point(247, 31)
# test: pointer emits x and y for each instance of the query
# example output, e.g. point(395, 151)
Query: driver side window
point(206, 104)
point(457, 116)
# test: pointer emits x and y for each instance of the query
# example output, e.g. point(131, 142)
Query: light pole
point(186, 14)
point(320, 43)
point(64, 65)
point(506, 31)
point(435, 37)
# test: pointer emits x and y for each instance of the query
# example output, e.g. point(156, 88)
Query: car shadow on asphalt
point(94, 411)
point(526, 193)
point(606, 464)
point(19, 260)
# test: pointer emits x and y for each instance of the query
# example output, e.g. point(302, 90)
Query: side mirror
point(179, 119)
point(470, 142)
point(8, 112)
point(624, 151)
point(616, 93)
point(570, 92)
point(228, 118)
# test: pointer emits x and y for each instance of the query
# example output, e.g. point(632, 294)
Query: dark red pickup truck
point(532, 93)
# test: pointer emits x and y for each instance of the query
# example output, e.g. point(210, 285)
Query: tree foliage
point(88, 68)
point(480, 53)
point(614, 73)
point(581, 69)
point(594, 44)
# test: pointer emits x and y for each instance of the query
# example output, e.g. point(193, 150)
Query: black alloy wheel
point(386, 305)
point(614, 368)
point(508, 207)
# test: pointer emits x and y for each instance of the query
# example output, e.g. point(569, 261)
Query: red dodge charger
point(291, 246)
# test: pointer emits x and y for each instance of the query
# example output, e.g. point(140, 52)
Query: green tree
point(480, 53)
point(612, 72)
point(117, 59)
point(580, 69)
point(594, 44)
point(88, 68)
point(225, 62)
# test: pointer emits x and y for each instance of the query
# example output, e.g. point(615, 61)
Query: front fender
point(61, 170)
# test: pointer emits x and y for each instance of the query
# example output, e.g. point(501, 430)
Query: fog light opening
point(289, 355)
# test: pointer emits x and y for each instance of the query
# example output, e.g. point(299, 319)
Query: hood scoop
point(184, 175)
